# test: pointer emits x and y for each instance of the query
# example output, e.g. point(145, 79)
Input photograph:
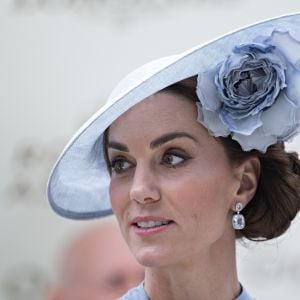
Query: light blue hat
point(78, 184)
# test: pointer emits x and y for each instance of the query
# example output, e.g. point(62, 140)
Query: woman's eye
point(120, 165)
point(174, 159)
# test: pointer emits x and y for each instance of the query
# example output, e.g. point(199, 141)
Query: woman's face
point(172, 187)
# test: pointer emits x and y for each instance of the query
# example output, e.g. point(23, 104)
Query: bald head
point(97, 264)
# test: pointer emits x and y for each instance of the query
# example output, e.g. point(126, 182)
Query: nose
point(145, 187)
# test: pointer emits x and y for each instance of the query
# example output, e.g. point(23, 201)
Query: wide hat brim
point(78, 184)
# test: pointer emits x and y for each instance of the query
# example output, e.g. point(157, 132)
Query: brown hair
point(277, 198)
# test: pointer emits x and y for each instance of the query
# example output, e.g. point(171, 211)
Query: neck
point(209, 275)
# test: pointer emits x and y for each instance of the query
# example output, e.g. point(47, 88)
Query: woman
point(189, 154)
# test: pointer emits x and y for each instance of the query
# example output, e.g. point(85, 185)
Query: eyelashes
point(120, 164)
point(172, 158)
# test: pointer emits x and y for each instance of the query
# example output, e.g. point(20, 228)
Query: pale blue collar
point(139, 293)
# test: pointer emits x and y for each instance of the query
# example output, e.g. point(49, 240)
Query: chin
point(152, 256)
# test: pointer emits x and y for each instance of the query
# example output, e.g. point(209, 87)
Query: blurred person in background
point(97, 264)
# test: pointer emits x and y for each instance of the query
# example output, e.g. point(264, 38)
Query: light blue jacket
point(139, 293)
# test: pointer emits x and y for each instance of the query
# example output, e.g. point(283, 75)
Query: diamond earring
point(238, 220)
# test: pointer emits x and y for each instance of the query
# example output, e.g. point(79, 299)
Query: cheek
point(207, 189)
point(119, 203)
point(118, 193)
point(203, 199)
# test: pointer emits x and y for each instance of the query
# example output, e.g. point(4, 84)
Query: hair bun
point(295, 162)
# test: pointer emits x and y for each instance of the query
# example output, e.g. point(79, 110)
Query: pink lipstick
point(149, 225)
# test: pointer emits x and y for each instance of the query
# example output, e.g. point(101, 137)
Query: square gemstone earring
point(238, 220)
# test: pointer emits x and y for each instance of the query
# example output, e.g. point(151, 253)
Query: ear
point(248, 173)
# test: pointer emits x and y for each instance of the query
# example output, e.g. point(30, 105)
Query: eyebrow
point(117, 146)
point(170, 136)
point(155, 143)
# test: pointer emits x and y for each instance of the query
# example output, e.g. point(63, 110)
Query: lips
point(147, 225)
point(150, 221)
point(151, 224)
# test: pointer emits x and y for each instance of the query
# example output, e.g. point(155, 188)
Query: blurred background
point(59, 59)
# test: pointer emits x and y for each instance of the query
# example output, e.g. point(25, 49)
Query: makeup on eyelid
point(176, 160)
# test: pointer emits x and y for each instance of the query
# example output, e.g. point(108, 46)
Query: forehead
point(160, 113)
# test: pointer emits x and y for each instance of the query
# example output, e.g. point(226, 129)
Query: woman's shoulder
point(137, 293)
point(244, 295)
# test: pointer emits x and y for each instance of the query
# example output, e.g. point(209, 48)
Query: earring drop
point(238, 220)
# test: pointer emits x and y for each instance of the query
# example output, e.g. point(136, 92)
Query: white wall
point(57, 66)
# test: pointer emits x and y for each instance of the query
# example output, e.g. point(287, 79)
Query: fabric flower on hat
point(254, 94)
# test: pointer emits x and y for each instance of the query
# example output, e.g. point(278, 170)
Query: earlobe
point(249, 172)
